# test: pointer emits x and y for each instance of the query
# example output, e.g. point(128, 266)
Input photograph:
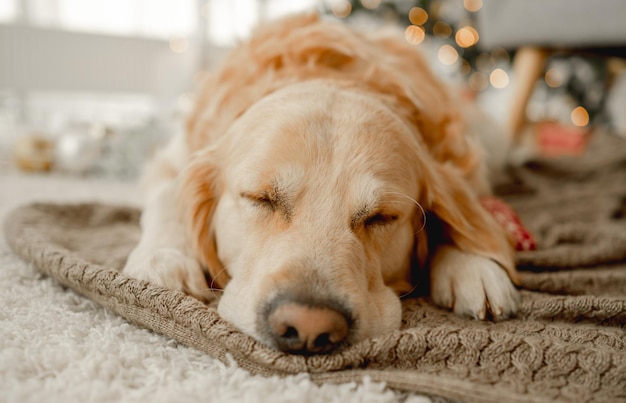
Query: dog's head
point(310, 213)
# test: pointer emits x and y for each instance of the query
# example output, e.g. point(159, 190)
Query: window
point(8, 10)
point(231, 21)
point(133, 68)
point(146, 18)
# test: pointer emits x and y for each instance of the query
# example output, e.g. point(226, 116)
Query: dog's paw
point(169, 268)
point(472, 285)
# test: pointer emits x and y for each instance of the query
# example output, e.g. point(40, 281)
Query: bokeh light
point(441, 29)
point(341, 8)
point(484, 62)
point(499, 78)
point(473, 5)
point(580, 116)
point(466, 37)
point(418, 16)
point(500, 55)
point(554, 78)
point(447, 54)
point(414, 34)
point(370, 4)
point(478, 81)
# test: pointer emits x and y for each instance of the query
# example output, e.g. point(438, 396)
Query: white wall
point(54, 60)
point(553, 23)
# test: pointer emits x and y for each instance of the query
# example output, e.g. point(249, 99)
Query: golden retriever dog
point(321, 169)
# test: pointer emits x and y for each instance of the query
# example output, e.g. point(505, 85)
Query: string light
point(477, 81)
point(466, 37)
point(499, 55)
point(441, 29)
point(498, 78)
point(580, 116)
point(447, 54)
point(341, 8)
point(484, 62)
point(472, 5)
point(370, 4)
point(418, 16)
point(435, 9)
point(414, 34)
point(553, 78)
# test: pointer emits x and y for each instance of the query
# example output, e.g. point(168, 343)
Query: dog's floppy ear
point(465, 222)
point(451, 162)
point(199, 188)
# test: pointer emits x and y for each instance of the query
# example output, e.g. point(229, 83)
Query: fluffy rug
point(57, 346)
point(567, 343)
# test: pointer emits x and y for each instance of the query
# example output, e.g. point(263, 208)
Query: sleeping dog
point(320, 170)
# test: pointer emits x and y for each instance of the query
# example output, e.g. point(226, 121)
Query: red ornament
point(509, 220)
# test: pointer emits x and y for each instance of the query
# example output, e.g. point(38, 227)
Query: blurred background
point(91, 87)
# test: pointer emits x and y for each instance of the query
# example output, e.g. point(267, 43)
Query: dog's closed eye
point(367, 220)
point(379, 219)
point(271, 201)
point(260, 199)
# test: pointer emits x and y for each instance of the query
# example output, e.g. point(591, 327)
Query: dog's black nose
point(307, 329)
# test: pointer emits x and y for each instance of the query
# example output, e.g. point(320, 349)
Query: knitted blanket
point(567, 343)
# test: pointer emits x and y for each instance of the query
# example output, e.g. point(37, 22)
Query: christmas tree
point(572, 87)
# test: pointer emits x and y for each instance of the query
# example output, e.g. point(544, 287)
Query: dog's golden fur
point(310, 163)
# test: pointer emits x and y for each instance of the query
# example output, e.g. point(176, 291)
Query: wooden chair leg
point(528, 65)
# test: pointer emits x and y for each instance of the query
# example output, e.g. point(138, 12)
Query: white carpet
point(56, 346)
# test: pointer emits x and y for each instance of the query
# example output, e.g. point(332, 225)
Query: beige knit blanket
point(567, 343)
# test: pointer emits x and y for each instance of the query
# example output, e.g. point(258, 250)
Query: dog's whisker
point(406, 294)
point(417, 204)
point(222, 270)
point(213, 290)
point(419, 230)
point(211, 286)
